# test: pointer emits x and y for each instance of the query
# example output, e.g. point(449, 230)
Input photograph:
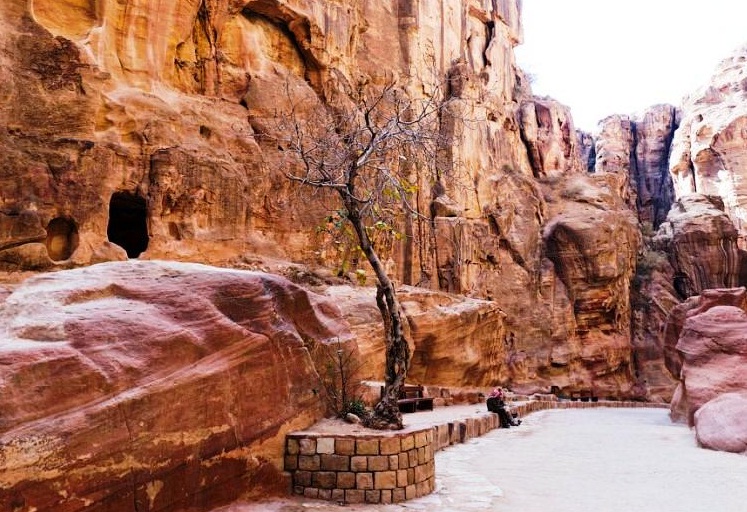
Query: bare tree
point(364, 152)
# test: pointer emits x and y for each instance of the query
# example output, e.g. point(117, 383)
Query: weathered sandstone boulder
point(720, 425)
point(712, 351)
point(736, 297)
point(153, 385)
point(701, 242)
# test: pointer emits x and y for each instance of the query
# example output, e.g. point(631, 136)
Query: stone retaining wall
point(371, 468)
point(390, 467)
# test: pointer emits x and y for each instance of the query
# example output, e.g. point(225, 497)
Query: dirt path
point(591, 460)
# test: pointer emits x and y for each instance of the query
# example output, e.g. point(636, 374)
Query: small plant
point(341, 380)
point(357, 407)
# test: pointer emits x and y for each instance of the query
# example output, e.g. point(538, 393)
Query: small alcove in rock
point(62, 238)
point(128, 226)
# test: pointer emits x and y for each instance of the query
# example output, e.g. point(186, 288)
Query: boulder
point(154, 385)
point(720, 425)
point(714, 357)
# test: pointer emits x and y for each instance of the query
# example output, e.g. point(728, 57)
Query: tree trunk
point(386, 412)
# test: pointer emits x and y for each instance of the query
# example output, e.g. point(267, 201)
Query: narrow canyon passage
point(574, 460)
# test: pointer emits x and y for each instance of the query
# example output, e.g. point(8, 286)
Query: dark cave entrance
point(62, 238)
point(128, 223)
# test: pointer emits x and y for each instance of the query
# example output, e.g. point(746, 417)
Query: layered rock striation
point(158, 386)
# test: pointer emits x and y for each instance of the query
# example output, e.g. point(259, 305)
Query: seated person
point(497, 404)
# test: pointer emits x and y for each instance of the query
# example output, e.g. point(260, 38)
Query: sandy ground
point(600, 460)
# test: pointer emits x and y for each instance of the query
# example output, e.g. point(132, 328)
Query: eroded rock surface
point(158, 386)
point(709, 151)
point(701, 242)
point(712, 357)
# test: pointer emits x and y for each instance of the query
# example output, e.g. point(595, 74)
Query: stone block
point(411, 492)
point(311, 492)
point(428, 452)
point(359, 463)
point(386, 496)
point(335, 462)
point(364, 481)
point(345, 446)
point(367, 446)
point(404, 460)
point(407, 443)
point(324, 479)
point(345, 480)
point(421, 439)
point(385, 480)
point(302, 478)
point(422, 489)
point(325, 494)
point(338, 495)
point(421, 455)
point(355, 496)
point(394, 462)
point(413, 458)
point(309, 462)
point(389, 445)
point(291, 447)
point(297, 489)
point(291, 462)
point(378, 463)
point(373, 496)
point(325, 445)
point(421, 473)
point(398, 495)
point(410, 476)
point(402, 478)
point(307, 446)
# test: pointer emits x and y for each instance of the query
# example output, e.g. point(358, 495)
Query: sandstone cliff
point(133, 129)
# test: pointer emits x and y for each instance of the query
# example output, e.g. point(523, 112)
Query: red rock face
point(162, 386)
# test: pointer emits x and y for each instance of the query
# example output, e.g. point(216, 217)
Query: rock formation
point(637, 150)
point(708, 151)
point(710, 353)
point(158, 386)
point(701, 242)
point(720, 425)
point(139, 131)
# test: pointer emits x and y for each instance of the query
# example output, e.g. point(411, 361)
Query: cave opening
point(128, 223)
point(62, 238)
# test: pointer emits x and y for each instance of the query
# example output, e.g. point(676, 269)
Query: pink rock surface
point(720, 424)
point(159, 386)
point(714, 357)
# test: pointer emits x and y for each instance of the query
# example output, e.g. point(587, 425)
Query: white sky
point(603, 57)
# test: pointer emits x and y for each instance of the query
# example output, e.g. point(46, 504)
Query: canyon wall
point(134, 129)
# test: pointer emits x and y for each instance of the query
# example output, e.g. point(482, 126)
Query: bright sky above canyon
point(619, 57)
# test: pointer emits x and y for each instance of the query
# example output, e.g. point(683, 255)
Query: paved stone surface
point(591, 460)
